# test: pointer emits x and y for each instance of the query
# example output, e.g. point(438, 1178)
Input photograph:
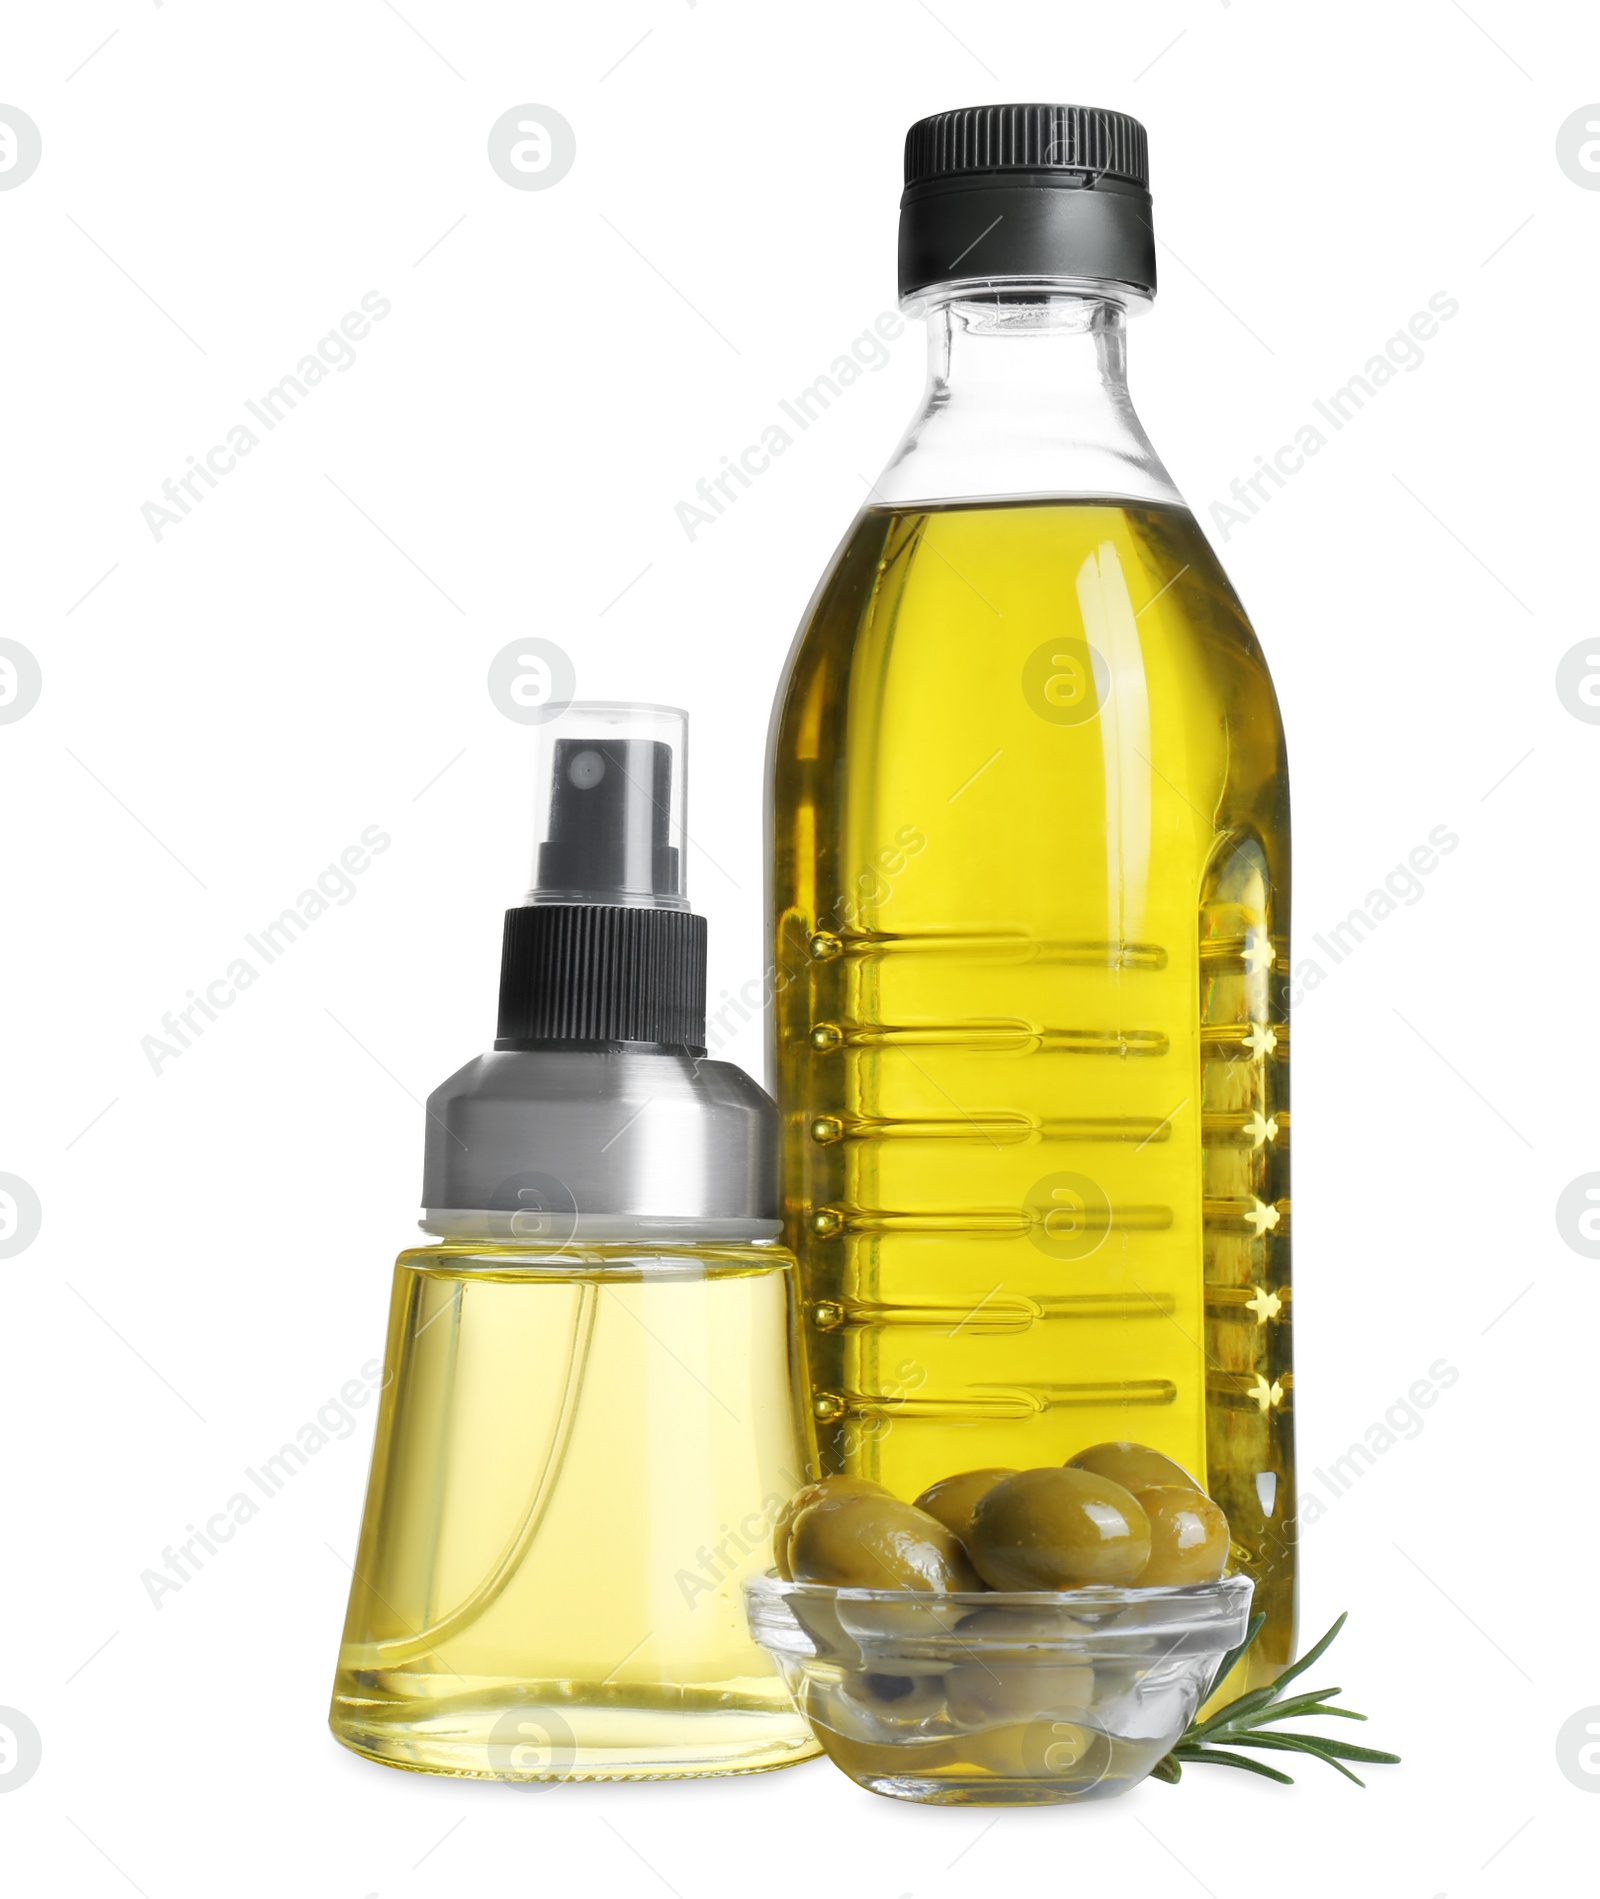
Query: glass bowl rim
point(1226, 1593)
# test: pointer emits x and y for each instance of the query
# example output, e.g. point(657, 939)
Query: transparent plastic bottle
point(587, 1424)
point(1030, 893)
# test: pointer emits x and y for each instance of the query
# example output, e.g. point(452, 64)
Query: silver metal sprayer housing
point(575, 1143)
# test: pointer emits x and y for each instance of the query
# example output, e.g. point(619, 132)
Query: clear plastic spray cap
point(610, 791)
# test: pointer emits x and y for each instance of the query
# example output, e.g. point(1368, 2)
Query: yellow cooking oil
point(1031, 908)
point(578, 1461)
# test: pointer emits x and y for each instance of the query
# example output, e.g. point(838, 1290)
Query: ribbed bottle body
point(1030, 917)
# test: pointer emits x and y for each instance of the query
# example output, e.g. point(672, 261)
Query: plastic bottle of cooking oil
point(1031, 892)
point(587, 1425)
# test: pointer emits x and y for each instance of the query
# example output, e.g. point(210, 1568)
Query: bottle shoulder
point(992, 573)
point(1027, 395)
point(1044, 689)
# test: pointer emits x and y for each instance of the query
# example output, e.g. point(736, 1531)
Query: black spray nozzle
point(606, 949)
point(608, 836)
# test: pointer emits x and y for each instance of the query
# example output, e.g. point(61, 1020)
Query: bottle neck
point(1027, 395)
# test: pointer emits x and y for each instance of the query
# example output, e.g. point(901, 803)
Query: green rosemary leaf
point(1305, 1704)
point(1256, 1624)
point(1345, 1750)
point(1311, 1655)
point(1250, 1721)
point(1168, 1768)
point(1301, 1744)
point(1239, 1710)
point(1221, 1757)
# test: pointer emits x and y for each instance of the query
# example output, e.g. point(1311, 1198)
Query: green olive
point(1135, 1466)
point(819, 1617)
point(906, 1631)
point(903, 1698)
point(1058, 1529)
point(982, 1695)
point(1188, 1536)
point(953, 1499)
point(1011, 1637)
point(1074, 1757)
point(783, 1523)
point(861, 1735)
point(876, 1542)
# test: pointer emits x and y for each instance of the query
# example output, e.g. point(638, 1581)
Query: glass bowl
point(996, 1698)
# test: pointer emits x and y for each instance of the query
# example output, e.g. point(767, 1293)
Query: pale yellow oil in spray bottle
point(578, 1459)
point(1030, 910)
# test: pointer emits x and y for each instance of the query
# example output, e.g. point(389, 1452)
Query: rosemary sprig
point(1251, 1721)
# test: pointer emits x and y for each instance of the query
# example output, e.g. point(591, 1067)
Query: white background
point(305, 655)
